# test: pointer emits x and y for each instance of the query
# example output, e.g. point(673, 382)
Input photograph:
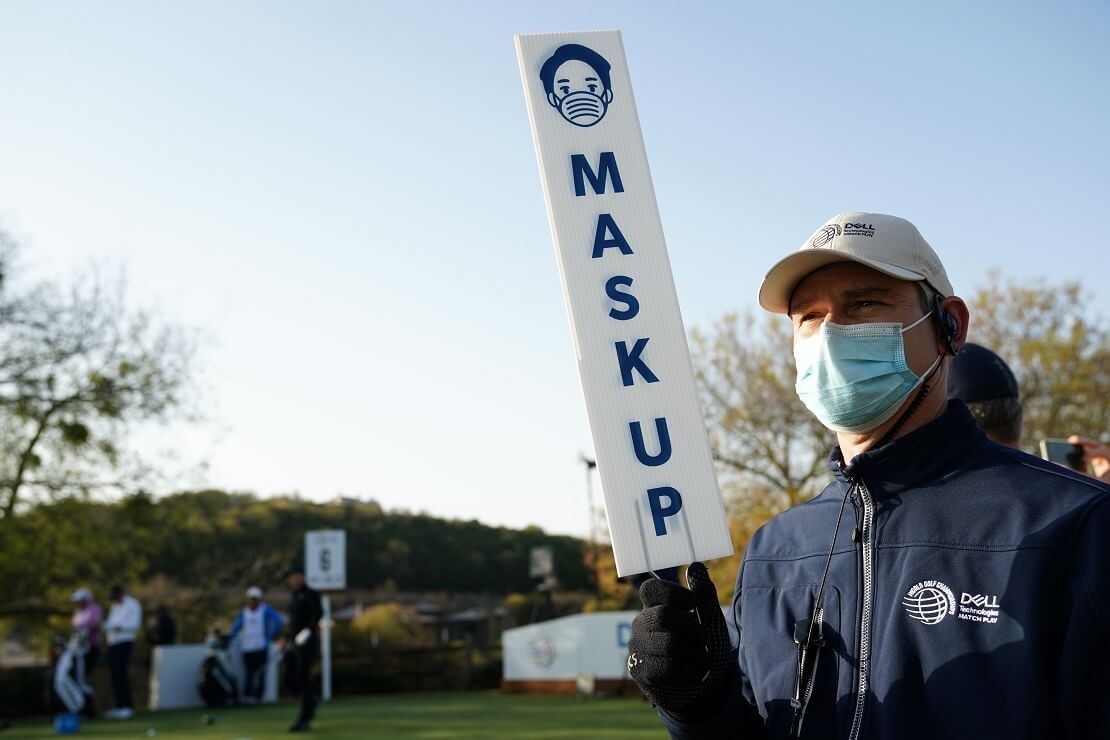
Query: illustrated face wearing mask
point(855, 377)
point(579, 93)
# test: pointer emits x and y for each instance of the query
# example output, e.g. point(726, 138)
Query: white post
point(325, 649)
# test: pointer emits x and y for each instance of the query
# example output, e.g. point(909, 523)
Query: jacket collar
point(924, 454)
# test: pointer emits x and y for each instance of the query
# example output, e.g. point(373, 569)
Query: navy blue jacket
point(968, 596)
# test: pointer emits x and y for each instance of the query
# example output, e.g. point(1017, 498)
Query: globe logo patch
point(824, 235)
point(543, 652)
point(929, 602)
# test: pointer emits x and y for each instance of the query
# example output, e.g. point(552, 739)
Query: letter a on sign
point(661, 495)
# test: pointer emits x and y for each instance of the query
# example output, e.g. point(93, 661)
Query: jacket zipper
point(866, 537)
point(813, 673)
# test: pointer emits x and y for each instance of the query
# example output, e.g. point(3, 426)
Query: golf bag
point(215, 679)
point(68, 681)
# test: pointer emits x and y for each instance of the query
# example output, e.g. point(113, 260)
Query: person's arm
point(96, 625)
point(317, 612)
point(235, 627)
point(736, 718)
point(274, 622)
point(131, 620)
point(1084, 681)
point(681, 657)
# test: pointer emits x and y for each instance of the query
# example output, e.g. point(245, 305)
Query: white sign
point(661, 496)
point(563, 648)
point(174, 669)
point(325, 559)
point(541, 562)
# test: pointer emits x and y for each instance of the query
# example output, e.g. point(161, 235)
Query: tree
point(763, 438)
point(393, 625)
point(1058, 349)
point(78, 372)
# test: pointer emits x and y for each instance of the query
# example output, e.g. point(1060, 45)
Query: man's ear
point(552, 99)
point(957, 309)
point(607, 96)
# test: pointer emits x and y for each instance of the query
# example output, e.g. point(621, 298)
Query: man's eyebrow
point(794, 308)
point(591, 78)
point(563, 80)
point(867, 290)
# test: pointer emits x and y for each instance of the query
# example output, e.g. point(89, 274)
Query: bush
point(394, 625)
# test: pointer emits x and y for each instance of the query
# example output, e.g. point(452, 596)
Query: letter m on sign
point(606, 170)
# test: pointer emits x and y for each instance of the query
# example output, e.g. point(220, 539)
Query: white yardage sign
point(661, 496)
point(325, 559)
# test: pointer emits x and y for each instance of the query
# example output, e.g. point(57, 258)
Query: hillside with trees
point(210, 541)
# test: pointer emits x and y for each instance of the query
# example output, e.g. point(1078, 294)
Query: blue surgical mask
point(854, 377)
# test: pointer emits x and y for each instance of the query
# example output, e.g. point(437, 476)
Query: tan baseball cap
point(889, 244)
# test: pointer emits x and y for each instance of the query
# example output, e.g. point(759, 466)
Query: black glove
point(679, 652)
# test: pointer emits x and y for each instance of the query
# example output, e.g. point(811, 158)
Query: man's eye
point(806, 318)
point(592, 87)
point(565, 90)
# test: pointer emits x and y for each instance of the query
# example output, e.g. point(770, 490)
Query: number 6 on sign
point(325, 559)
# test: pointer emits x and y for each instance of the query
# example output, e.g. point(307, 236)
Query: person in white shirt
point(120, 628)
point(256, 627)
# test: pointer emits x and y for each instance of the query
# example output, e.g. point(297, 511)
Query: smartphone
point(1062, 452)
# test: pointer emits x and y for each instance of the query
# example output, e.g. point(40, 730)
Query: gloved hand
point(679, 652)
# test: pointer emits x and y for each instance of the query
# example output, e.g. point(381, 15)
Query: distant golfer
point(255, 627)
point(87, 616)
point(301, 644)
point(120, 628)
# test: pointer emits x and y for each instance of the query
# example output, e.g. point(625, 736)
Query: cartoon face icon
point(576, 80)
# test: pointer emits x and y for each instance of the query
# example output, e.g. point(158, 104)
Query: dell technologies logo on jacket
point(929, 602)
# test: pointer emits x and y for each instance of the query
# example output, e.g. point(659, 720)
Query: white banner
point(325, 559)
point(563, 648)
point(661, 496)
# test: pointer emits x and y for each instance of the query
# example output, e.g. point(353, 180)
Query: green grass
point(432, 716)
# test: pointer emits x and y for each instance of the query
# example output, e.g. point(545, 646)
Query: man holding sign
point(942, 586)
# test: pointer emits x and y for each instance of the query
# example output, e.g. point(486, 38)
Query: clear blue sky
point(344, 197)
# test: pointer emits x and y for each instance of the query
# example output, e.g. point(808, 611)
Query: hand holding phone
point(1096, 455)
point(1063, 452)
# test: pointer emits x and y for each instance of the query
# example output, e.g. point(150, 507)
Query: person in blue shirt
point(941, 586)
point(257, 625)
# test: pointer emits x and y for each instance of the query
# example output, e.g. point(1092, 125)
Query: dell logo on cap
point(859, 230)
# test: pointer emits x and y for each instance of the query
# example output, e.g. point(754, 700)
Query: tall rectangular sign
point(661, 495)
point(325, 559)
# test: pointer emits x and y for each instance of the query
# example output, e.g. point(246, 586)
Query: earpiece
point(946, 324)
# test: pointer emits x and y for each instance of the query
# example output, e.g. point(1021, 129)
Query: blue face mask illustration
point(853, 378)
point(583, 108)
